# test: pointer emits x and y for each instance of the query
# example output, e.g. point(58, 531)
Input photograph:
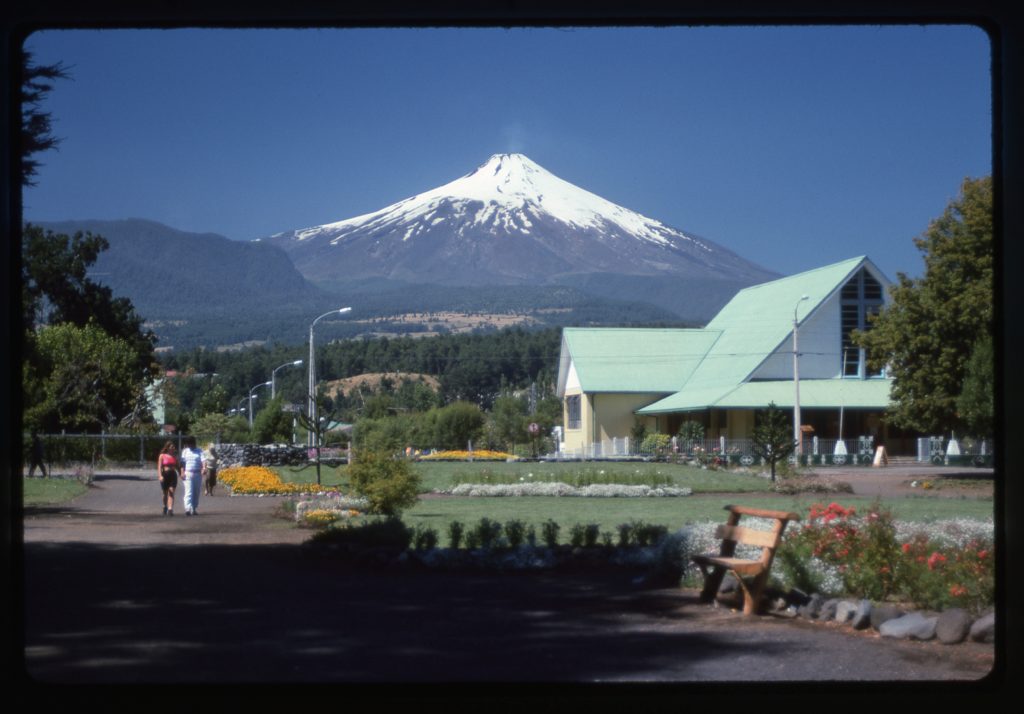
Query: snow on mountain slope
point(509, 221)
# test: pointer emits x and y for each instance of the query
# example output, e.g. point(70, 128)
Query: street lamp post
point(251, 397)
point(797, 436)
point(311, 411)
point(273, 376)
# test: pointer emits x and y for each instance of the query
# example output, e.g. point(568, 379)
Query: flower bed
point(253, 480)
point(481, 455)
point(342, 507)
point(564, 489)
point(935, 566)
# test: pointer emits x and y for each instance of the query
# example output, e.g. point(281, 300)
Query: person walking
point(210, 463)
point(192, 475)
point(167, 471)
point(36, 456)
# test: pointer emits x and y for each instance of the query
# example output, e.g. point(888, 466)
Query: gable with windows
point(861, 297)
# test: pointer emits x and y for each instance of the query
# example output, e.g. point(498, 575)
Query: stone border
point(951, 626)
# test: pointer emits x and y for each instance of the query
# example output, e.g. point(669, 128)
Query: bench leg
point(752, 599)
point(712, 581)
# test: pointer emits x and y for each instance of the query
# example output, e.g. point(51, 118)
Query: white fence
point(856, 451)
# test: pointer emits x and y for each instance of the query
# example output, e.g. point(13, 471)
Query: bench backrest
point(732, 533)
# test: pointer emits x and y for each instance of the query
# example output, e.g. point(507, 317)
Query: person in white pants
point(191, 474)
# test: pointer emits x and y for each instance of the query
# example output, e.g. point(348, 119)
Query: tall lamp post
point(797, 436)
point(251, 397)
point(311, 390)
point(273, 376)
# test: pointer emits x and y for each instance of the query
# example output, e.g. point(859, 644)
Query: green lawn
point(39, 491)
point(712, 490)
point(442, 475)
point(673, 513)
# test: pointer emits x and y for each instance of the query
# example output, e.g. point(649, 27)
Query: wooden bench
point(714, 567)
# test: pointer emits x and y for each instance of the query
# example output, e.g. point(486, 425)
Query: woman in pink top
point(167, 470)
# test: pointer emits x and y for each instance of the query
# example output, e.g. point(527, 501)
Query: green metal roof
point(635, 359)
point(814, 393)
point(758, 319)
point(709, 367)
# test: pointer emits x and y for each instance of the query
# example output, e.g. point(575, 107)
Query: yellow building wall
point(603, 417)
point(613, 414)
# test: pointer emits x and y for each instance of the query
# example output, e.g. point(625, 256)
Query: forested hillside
point(471, 367)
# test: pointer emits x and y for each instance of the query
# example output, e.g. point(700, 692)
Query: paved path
point(116, 593)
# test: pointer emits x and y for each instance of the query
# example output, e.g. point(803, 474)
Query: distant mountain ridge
point(202, 289)
point(168, 272)
point(512, 222)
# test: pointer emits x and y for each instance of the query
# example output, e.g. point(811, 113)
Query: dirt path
point(908, 480)
point(116, 593)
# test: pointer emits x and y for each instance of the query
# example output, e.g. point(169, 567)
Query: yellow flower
point(462, 455)
point(259, 479)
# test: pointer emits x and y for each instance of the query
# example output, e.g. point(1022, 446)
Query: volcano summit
point(512, 222)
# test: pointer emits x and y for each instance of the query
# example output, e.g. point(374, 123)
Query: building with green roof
point(613, 379)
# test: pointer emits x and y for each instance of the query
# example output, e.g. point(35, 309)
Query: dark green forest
point(475, 367)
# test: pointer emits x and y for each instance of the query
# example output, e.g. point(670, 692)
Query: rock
point(926, 630)
point(953, 627)
point(912, 625)
point(813, 608)
point(828, 609)
point(883, 613)
point(984, 629)
point(862, 618)
point(845, 611)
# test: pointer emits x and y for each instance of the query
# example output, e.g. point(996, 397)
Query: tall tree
point(976, 403)
point(82, 379)
point(36, 125)
point(926, 335)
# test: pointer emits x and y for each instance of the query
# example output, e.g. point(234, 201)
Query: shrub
point(390, 485)
point(625, 534)
point(645, 534)
point(424, 538)
point(515, 531)
point(549, 532)
point(657, 444)
point(936, 576)
point(576, 534)
point(487, 533)
point(841, 552)
point(455, 531)
point(691, 431)
point(864, 551)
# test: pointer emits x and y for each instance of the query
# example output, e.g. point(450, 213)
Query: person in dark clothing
point(36, 456)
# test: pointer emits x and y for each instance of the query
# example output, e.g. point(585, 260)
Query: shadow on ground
point(275, 614)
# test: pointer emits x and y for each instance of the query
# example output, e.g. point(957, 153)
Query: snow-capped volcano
point(509, 221)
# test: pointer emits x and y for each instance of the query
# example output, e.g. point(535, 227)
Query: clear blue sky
point(793, 146)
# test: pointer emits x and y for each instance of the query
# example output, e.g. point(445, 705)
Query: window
point(573, 418)
point(859, 298)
